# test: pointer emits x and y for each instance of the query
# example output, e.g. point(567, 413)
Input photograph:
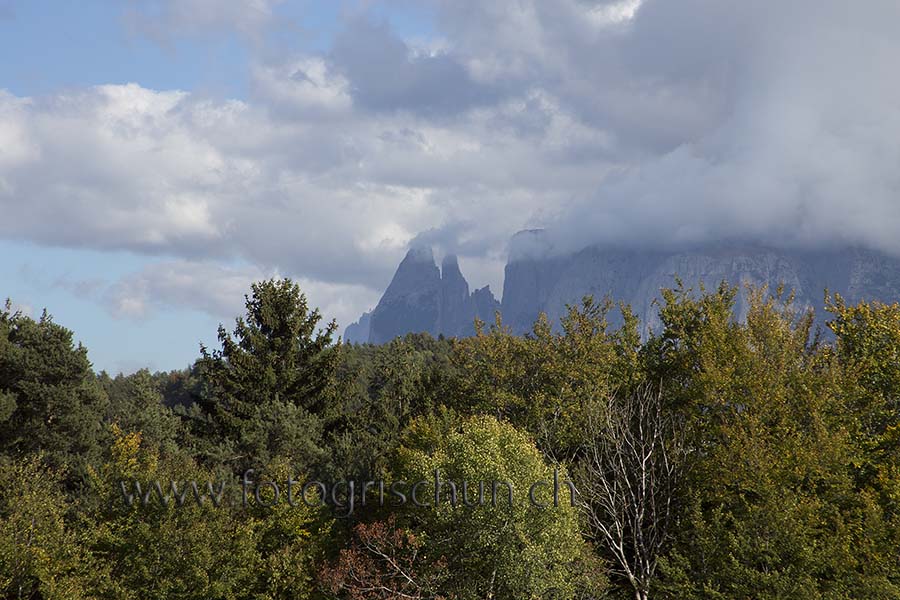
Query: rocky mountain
point(539, 279)
point(358, 332)
point(423, 298)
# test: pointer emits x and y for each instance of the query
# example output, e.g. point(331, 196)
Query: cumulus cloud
point(303, 88)
point(333, 199)
point(210, 288)
point(652, 123)
point(772, 122)
point(385, 73)
point(219, 291)
point(801, 157)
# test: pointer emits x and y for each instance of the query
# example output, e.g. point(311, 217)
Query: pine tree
point(265, 389)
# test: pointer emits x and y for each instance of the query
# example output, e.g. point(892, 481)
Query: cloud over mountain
point(644, 123)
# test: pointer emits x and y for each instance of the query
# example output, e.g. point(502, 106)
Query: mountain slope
point(422, 298)
point(536, 279)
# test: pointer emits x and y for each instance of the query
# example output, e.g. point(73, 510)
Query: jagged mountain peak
point(450, 263)
point(358, 332)
point(423, 298)
point(451, 275)
point(538, 278)
point(417, 274)
point(420, 254)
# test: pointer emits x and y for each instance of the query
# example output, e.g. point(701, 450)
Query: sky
point(157, 156)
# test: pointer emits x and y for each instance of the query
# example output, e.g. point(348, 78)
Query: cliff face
point(636, 277)
point(358, 332)
point(411, 301)
point(422, 298)
point(455, 307)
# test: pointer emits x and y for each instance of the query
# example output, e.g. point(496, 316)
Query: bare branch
point(631, 467)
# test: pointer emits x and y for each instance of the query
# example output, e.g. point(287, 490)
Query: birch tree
point(627, 482)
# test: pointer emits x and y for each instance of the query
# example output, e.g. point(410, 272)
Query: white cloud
point(615, 12)
point(219, 291)
point(305, 87)
point(333, 199)
point(211, 288)
point(653, 123)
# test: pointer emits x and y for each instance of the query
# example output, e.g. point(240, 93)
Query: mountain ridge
point(423, 298)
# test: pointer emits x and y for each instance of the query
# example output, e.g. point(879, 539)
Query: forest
point(715, 458)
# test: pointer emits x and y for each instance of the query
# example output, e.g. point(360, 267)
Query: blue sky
point(157, 156)
point(51, 45)
point(56, 46)
point(60, 45)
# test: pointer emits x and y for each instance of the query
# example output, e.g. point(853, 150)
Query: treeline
point(715, 459)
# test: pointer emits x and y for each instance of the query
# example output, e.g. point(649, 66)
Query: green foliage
point(379, 390)
point(868, 347)
point(193, 550)
point(264, 390)
point(545, 382)
point(772, 508)
point(50, 400)
point(40, 555)
point(162, 550)
point(791, 487)
point(290, 545)
point(498, 549)
point(136, 405)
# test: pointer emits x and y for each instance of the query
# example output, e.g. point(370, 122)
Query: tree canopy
point(773, 449)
